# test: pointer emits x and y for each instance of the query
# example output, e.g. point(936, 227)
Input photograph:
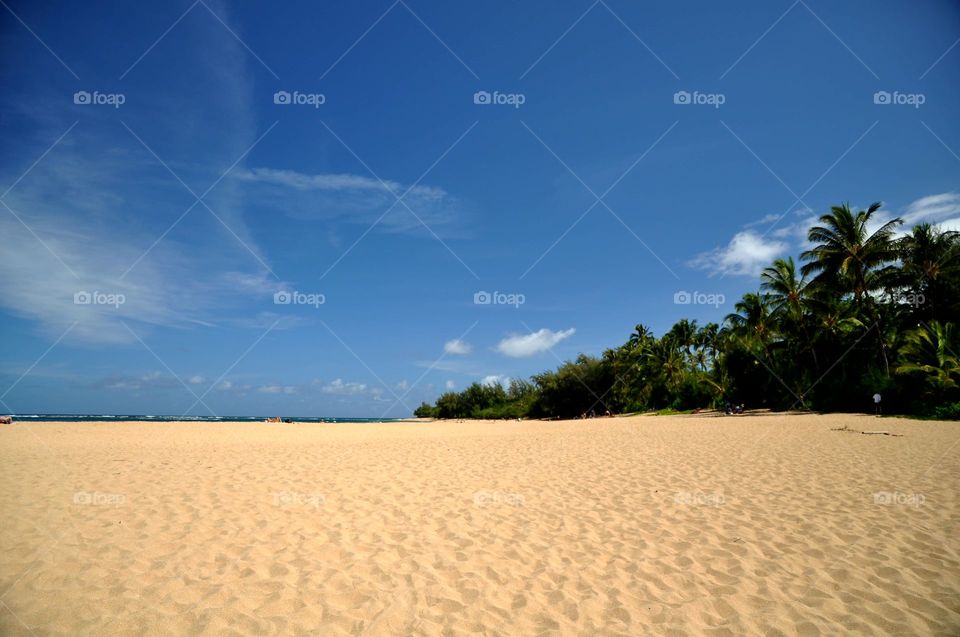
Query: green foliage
point(576, 388)
point(946, 412)
point(425, 410)
point(929, 352)
point(866, 313)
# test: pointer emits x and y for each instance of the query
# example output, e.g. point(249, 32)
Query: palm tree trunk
point(883, 346)
point(813, 350)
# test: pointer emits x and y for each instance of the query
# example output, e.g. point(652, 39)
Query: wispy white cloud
point(523, 345)
point(496, 379)
point(149, 381)
point(457, 347)
point(747, 254)
point(950, 224)
point(277, 389)
point(173, 287)
point(341, 388)
point(764, 220)
point(942, 210)
point(334, 182)
point(96, 203)
point(935, 209)
point(350, 198)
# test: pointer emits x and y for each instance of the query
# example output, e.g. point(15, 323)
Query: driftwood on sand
point(867, 433)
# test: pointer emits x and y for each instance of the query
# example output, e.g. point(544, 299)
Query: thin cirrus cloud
point(334, 182)
point(96, 212)
point(349, 198)
point(524, 345)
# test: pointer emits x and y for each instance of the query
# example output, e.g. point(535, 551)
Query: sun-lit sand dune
point(754, 524)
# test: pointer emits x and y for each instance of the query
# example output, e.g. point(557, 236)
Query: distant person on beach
point(876, 403)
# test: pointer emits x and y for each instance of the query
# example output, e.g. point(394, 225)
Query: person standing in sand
point(876, 403)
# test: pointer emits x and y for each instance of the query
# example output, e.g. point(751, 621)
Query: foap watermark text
point(98, 298)
point(292, 498)
point(498, 298)
point(697, 98)
point(95, 498)
point(96, 98)
point(897, 98)
point(284, 297)
point(497, 98)
point(698, 499)
point(296, 98)
point(682, 297)
point(895, 498)
point(490, 498)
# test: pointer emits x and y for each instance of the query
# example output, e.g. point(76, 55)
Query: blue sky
point(620, 155)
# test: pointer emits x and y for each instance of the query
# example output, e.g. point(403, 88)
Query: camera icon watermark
point(97, 98)
point(682, 297)
point(98, 298)
point(95, 498)
point(498, 298)
point(285, 297)
point(297, 98)
point(895, 498)
point(715, 100)
point(515, 100)
point(897, 98)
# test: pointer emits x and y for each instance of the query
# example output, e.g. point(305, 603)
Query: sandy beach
point(663, 525)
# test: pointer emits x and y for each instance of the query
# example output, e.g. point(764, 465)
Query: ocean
point(144, 417)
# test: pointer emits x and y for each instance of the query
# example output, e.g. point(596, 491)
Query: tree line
point(867, 312)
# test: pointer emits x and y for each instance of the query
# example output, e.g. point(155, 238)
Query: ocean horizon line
point(177, 418)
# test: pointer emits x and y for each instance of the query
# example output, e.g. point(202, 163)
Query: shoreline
point(706, 413)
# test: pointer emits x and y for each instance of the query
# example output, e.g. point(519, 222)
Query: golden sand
point(680, 525)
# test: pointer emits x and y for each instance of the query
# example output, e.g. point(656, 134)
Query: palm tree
point(640, 334)
point(848, 258)
point(706, 344)
point(752, 320)
point(846, 255)
point(930, 351)
point(671, 363)
point(790, 299)
point(930, 271)
point(684, 335)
